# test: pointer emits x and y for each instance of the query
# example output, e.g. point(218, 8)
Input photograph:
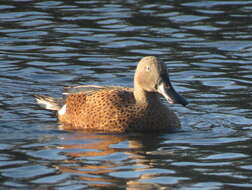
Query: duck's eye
point(147, 68)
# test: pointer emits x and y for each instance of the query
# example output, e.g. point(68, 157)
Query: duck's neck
point(143, 97)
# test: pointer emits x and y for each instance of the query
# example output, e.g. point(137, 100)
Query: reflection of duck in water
point(98, 160)
point(86, 160)
point(120, 109)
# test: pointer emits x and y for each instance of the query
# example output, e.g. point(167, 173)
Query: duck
point(119, 109)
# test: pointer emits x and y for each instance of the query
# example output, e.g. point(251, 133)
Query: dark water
point(46, 45)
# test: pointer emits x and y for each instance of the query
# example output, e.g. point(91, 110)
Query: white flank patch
point(62, 111)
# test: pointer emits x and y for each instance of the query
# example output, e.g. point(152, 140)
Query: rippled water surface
point(207, 46)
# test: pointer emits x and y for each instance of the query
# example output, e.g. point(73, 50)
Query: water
point(46, 45)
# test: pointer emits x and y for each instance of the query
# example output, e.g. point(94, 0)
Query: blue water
point(46, 45)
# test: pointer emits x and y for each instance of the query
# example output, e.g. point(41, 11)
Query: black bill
point(166, 89)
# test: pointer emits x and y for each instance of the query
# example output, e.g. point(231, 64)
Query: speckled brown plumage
point(119, 109)
point(115, 111)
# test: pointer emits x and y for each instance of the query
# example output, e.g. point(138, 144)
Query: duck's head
point(152, 76)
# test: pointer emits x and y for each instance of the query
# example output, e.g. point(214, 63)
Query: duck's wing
point(87, 89)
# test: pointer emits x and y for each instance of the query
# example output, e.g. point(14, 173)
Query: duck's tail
point(49, 103)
